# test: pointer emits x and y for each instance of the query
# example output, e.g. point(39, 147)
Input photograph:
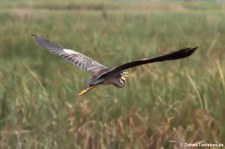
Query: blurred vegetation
point(161, 106)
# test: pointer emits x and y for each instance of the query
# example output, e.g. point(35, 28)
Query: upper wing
point(171, 56)
point(74, 57)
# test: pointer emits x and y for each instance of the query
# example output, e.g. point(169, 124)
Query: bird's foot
point(81, 93)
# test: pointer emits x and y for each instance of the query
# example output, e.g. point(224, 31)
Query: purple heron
point(102, 75)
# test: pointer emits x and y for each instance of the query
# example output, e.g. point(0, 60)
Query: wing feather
point(180, 54)
point(76, 58)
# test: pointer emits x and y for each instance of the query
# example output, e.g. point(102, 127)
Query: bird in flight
point(102, 75)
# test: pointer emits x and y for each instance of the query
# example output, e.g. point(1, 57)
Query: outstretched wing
point(74, 57)
point(183, 53)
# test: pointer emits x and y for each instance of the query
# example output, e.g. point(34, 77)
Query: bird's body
point(102, 75)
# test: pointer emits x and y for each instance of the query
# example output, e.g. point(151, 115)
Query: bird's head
point(122, 79)
point(124, 75)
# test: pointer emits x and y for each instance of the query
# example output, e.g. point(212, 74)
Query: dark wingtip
point(182, 53)
point(190, 51)
point(34, 35)
point(193, 49)
point(39, 38)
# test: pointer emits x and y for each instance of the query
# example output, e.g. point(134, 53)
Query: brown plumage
point(102, 74)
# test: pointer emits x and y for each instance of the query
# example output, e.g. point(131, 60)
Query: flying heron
point(102, 75)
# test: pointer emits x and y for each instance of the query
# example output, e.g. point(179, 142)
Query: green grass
point(161, 105)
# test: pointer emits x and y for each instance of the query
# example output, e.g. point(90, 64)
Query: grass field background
point(162, 104)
